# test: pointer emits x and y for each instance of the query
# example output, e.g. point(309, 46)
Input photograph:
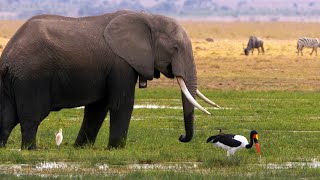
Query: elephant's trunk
point(188, 107)
point(188, 114)
point(188, 93)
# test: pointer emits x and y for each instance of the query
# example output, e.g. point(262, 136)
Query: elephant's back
point(53, 43)
point(43, 36)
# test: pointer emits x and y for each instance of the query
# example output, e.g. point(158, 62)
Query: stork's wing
point(228, 140)
point(213, 139)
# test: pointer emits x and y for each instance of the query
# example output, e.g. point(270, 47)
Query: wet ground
point(51, 169)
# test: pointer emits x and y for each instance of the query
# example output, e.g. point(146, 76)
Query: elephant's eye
point(176, 48)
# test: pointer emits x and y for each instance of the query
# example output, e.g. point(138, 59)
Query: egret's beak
point(255, 138)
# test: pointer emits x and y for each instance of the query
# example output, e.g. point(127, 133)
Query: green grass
point(287, 122)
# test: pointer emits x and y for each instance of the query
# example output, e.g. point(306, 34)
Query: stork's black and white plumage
point(232, 143)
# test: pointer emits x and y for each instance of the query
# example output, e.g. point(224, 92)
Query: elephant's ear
point(129, 36)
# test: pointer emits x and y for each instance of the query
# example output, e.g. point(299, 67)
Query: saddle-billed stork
point(232, 143)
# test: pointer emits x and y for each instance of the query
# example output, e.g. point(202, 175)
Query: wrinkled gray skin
point(55, 62)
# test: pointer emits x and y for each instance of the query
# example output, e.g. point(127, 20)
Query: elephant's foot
point(116, 143)
point(29, 145)
point(81, 142)
point(2, 144)
point(4, 138)
point(184, 138)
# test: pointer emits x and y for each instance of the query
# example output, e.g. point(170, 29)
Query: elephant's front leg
point(120, 98)
point(94, 115)
point(119, 124)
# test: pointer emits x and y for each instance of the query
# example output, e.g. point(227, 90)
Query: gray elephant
point(54, 62)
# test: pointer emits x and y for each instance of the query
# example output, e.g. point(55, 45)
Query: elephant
point(54, 62)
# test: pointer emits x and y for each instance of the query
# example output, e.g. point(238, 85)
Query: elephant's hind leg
point(30, 119)
point(9, 120)
point(33, 105)
point(29, 132)
point(94, 115)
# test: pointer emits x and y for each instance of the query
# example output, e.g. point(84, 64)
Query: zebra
point(254, 42)
point(307, 42)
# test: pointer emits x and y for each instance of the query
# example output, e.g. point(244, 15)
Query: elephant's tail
point(5, 122)
point(2, 74)
point(1, 98)
point(1, 95)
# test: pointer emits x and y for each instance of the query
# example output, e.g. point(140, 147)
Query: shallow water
point(293, 165)
point(51, 165)
point(155, 106)
point(61, 169)
point(168, 166)
point(50, 169)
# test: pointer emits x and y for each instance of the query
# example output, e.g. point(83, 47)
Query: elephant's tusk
point(186, 92)
point(206, 99)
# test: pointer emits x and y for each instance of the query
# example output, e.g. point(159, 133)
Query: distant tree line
point(23, 9)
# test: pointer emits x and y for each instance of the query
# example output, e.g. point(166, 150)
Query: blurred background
point(221, 10)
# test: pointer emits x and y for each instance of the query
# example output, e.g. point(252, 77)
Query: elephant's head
point(152, 44)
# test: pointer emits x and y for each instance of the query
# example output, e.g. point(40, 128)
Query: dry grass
point(221, 64)
point(7, 29)
point(242, 30)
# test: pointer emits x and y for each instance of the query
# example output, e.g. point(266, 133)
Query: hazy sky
point(234, 9)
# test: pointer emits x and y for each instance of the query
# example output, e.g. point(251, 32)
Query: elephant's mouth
point(169, 72)
point(166, 70)
point(186, 92)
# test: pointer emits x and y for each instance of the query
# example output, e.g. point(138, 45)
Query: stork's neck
point(248, 146)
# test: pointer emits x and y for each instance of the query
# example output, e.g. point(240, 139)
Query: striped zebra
point(308, 43)
point(254, 42)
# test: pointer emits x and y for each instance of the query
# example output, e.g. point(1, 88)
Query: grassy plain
point(275, 93)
